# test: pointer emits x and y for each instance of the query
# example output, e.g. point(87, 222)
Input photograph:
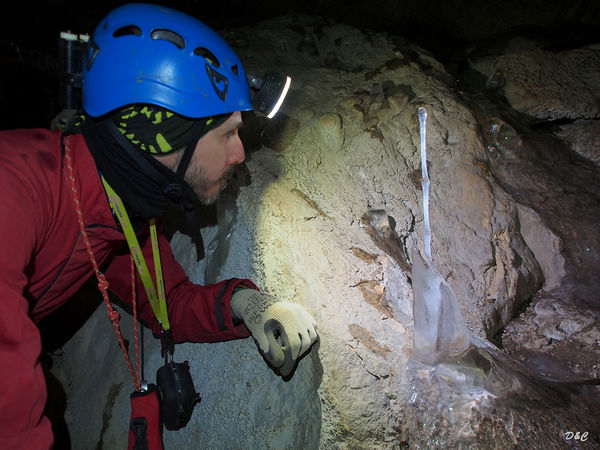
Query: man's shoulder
point(28, 135)
point(26, 145)
point(36, 148)
point(32, 160)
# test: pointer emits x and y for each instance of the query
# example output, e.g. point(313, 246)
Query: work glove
point(283, 331)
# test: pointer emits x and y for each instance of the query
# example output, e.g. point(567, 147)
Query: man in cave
point(162, 102)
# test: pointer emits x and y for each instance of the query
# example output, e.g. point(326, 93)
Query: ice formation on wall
point(440, 328)
point(469, 388)
point(425, 179)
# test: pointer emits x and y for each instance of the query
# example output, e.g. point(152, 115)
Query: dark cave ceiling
point(29, 35)
point(432, 22)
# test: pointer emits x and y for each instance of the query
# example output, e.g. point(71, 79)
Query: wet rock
point(583, 137)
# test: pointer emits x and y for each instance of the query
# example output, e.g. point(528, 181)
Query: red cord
point(102, 282)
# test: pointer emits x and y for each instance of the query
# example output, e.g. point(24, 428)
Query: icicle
point(425, 179)
point(439, 327)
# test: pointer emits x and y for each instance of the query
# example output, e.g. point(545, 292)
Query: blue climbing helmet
point(143, 53)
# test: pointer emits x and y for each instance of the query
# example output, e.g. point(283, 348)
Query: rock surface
point(548, 85)
point(583, 137)
point(297, 223)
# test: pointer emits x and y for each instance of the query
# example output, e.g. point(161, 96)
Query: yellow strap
point(158, 303)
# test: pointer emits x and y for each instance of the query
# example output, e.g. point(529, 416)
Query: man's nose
point(236, 152)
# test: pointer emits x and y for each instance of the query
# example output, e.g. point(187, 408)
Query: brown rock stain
point(377, 224)
point(363, 336)
point(367, 257)
point(374, 294)
point(310, 202)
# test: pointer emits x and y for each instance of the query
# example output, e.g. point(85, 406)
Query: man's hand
point(283, 331)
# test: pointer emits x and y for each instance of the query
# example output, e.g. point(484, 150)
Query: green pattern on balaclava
point(155, 130)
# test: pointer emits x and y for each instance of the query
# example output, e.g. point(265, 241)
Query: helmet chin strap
point(174, 190)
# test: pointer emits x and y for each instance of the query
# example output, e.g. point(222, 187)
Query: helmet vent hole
point(127, 31)
point(168, 35)
point(235, 69)
point(208, 56)
point(93, 51)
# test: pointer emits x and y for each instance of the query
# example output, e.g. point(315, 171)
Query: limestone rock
point(548, 85)
point(545, 246)
point(552, 333)
point(583, 137)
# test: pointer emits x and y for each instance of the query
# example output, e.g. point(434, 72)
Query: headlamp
point(72, 54)
point(269, 92)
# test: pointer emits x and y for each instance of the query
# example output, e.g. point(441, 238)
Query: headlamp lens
point(270, 92)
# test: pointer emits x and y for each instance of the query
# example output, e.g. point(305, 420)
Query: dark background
point(29, 34)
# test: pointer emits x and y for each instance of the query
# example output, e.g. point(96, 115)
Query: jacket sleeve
point(196, 313)
point(22, 384)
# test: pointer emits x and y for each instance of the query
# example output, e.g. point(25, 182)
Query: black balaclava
point(123, 146)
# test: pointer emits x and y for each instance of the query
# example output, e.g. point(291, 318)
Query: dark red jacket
point(43, 262)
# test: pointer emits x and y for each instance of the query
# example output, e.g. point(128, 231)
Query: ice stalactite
point(440, 328)
point(425, 179)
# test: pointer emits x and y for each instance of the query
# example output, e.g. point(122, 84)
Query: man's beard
point(198, 180)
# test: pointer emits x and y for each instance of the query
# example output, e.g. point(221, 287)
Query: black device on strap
point(178, 394)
